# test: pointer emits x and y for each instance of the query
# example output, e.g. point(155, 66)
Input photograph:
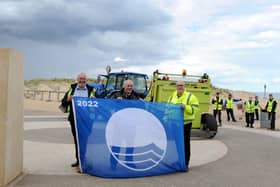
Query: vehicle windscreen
point(115, 82)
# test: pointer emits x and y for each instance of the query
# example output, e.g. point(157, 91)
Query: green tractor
point(164, 84)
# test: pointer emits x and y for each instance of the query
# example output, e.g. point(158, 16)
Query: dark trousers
point(230, 114)
point(73, 130)
point(249, 119)
point(219, 112)
point(271, 117)
point(187, 141)
point(257, 114)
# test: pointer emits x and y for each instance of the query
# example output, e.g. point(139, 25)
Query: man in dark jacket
point(271, 109)
point(79, 89)
point(126, 92)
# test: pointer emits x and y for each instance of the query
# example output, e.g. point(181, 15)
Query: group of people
point(189, 104)
point(250, 107)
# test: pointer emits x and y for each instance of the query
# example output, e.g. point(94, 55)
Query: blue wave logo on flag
point(133, 142)
point(128, 138)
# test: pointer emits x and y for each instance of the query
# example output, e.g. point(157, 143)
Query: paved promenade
point(48, 153)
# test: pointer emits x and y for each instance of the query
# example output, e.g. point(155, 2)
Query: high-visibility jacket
point(191, 104)
point(250, 107)
point(229, 104)
point(269, 105)
point(257, 104)
point(218, 103)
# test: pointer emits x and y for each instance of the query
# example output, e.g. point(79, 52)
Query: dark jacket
point(122, 94)
point(68, 104)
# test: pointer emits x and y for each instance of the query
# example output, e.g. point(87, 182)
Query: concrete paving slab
point(45, 153)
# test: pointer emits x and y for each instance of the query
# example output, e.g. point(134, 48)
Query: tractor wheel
point(209, 125)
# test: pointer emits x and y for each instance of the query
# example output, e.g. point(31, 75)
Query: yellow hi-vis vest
point(192, 105)
point(256, 104)
point(269, 106)
point(217, 104)
point(229, 103)
point(250, 107)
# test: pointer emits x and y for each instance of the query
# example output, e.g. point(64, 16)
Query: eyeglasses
point(180, 85)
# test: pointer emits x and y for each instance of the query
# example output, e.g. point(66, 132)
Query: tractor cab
point(113, 82)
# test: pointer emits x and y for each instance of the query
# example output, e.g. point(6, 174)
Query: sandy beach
point(31, 105)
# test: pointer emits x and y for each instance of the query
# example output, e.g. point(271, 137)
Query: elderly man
point(79, 89)
point(189, 104)
point(126, 92)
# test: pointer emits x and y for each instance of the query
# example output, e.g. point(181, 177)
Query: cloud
point(234, 41)
point(61, 20)
point(119, 59)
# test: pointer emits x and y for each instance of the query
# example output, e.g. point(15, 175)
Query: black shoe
point(75, 164)
point(247, 125)
point(234, 120)
point(252, 127)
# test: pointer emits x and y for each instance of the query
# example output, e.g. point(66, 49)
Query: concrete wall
point(11, 115)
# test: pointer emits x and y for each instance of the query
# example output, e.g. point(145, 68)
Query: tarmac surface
point(237, 156)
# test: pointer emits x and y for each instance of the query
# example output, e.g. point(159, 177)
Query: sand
point(37, 105)
point(31, 105)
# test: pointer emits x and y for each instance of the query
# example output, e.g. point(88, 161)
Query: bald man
point(190, 105)
point(126, 92)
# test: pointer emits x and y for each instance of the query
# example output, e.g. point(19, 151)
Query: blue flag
point(129, 138)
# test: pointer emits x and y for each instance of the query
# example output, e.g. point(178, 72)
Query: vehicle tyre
point(210, 125)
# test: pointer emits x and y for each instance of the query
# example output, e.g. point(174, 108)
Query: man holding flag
point(189, 103)
point(78, 89)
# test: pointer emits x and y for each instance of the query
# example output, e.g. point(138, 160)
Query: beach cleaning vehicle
point(161, 87)
point(164, 84)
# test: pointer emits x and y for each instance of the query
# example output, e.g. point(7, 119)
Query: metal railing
point(44, 95)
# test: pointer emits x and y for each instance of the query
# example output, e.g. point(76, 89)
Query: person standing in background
point(229, 108)
point(249, 107)
point(271, 109)
point(217, 107)
point(257, 107)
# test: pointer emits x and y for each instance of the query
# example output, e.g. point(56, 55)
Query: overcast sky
point(235, 41)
